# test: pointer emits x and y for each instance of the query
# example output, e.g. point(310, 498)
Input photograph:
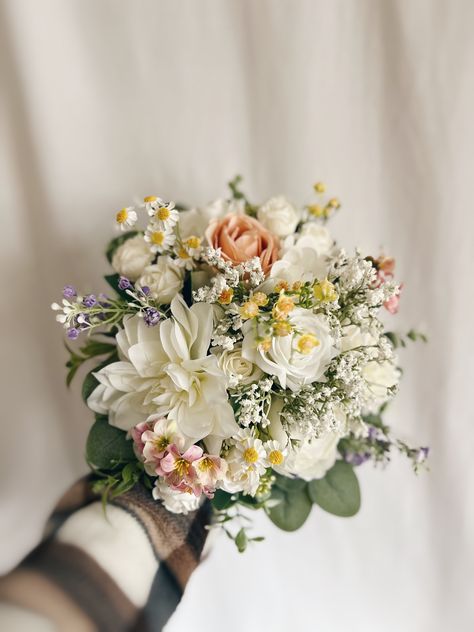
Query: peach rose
point(241, 237)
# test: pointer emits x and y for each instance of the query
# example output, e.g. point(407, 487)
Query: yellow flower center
point(157, 237)
point(334, 203)
point(306, 343)
point(161, 443)
point(150, 198)
point(183, 253)
point(281, 285)
point(275, 457)
point(121, 216)
point(163, 213)
point(316, 210)
point(281, 328)
point(319, 187)
point(325, 292)
point(193, 242)
point(205, 464)
point(260, 299)
point(285, 304)
point(265, 345)
point(181, 466)
point(226, 296)
point(249, 310)
point(250, 455)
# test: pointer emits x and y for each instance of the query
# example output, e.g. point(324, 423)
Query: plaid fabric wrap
point(124, 570)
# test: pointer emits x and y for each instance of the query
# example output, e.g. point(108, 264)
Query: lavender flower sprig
point(79, 313)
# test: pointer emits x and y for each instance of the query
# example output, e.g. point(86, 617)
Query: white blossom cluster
point(279, 359)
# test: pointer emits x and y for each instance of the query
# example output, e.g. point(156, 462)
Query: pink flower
point(210, 469)
point(393, 302)
point(242, 237)
point(151, 440)
point(178, 468)
point(136, 434)
point(386, 265)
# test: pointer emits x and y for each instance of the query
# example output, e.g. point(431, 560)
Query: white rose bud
point(132, 257)
point(279, 216)
point(312, 458)
point(315, 236)
point(354, 337)
point(164, 278)
point(239, 370)
point(379, 377)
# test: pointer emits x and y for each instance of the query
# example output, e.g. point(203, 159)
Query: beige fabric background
point(106, 101)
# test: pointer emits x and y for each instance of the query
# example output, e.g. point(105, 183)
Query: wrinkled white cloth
point(106, 101)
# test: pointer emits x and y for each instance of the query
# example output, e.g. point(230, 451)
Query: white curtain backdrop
point(104, 101)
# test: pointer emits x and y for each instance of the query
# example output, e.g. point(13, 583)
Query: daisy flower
point(150, 204)
point(159, 238)
point(276, 453)
point(187, 250)
point(126, 218)
point(247, 461)
point(166, 214)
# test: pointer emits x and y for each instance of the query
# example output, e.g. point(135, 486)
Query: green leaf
point(107, 446)
point(338, 492)
point(89, 385)
point(95, 348)
point(91, 382)
point(222, 500)
point(241, 540)
point(289, 484)
point(292, 510)
point(118, 241)
point(113, 281)
point(73, 368)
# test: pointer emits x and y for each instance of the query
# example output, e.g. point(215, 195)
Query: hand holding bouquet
point(242, 357)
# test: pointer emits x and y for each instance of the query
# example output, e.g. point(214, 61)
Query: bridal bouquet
point(241, 357)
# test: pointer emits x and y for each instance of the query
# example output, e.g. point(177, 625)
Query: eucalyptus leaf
point(107, 446)
point(241, 540)
point(292, 509)
point(289, 484)
point(338, 492)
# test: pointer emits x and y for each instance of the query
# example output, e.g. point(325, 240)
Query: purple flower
point(73, 333)
point(69, 291)
point(356, 459)
point(89, 300)
point(124, 283)
point(422, 455)
point(373, 432)
point(146, 290)
point(151, 316)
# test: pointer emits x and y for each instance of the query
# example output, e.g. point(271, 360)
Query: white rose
point(379, 377)
point(354, 336)
point(312, 458)
point(132, 257)
point(164, 278)
point(238, 369)
point(174, 501)
point(296, 359)
point(279, 216)
point(315, 236)
point(297, 264)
